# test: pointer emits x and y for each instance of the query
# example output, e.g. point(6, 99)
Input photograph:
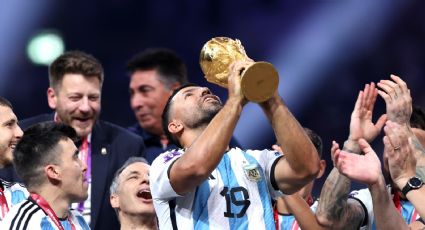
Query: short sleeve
point(363, 197)
point(158, 175)
point(268, 160)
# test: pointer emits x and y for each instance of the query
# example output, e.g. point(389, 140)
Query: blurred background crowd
point(325, 51)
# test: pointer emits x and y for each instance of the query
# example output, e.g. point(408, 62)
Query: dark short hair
point(37, 148)
point(315, 139)
point(166, 113)
point(4, 102)
point(74, 62)
point(417, 119)
point(169, 65)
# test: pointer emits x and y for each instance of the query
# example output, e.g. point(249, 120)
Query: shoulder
point(17, 192)
point(112, 131)
point(79, 220)
point(26, 213)
point(168, 156)
point(265, 156)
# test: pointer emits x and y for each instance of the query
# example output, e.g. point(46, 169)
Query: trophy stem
point(259, 81)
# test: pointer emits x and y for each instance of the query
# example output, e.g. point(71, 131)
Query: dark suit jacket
point(119, 144)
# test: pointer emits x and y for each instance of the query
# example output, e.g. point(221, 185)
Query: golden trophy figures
point(259, 81)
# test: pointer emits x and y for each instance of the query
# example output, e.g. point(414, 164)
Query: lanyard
point(49, 211)
point(85, 156)
point(3, 202)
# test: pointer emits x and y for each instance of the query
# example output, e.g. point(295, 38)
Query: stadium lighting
point(44, 47)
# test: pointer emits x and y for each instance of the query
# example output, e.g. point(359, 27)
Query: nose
point(84, 105)
point(205, 91)
point(137, 101)
point(145, 178)
point(83, 165)
point(18, 132)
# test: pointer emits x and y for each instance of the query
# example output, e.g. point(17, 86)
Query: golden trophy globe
point(259, 81)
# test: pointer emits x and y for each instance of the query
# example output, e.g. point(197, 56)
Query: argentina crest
point(252, 172)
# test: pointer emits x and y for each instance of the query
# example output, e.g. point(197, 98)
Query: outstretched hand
point(362, 168)
point(361, 125)
point(397, 99)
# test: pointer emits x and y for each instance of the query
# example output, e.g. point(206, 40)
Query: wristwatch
point(413, 183)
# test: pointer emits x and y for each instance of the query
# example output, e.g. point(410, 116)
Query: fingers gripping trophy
point(259, 81)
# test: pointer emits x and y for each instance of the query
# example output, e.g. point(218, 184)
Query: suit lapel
point(100, 165)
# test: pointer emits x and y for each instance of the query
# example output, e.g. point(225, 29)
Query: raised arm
point(399, 109)
point(301, 162)
point(334, 209)
point(401, 162)
point(367, 169)
point(205, 152)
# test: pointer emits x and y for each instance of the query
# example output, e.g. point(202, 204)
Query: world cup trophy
point(259, 81)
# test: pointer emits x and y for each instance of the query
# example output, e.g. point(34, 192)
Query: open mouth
point(145, 194)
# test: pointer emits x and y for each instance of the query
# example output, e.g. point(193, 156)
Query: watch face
point(415, 182)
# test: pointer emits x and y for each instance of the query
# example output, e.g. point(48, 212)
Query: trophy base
point(259, 81)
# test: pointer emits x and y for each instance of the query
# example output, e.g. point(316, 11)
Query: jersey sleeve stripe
point(272, 178)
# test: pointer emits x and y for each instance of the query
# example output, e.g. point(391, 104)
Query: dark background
point(325, 51)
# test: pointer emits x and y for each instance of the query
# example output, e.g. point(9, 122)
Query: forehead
point(142, 76)
point(138, 167)
point(77, 81)
point(185, 91)
point(6, 113)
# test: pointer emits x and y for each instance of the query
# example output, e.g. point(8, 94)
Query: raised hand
point(362, 168)
point(399, 156)
point(397, 99)
point(361, 125)
point(234, 80)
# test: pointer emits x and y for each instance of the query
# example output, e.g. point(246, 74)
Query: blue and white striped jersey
point(407, 211)
point(13, 192)
point(237, 195)
point(28, 215)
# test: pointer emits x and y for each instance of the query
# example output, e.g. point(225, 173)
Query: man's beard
point(203, 118)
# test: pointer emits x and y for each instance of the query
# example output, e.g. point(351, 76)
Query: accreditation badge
point(252, 172)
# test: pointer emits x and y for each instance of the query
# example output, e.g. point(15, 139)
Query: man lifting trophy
point(259, 81)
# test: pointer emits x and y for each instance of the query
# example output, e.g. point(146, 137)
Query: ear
point(322, 169)
point(52, 172)
point(175, 127)
point(114, 199)
point(51, 98)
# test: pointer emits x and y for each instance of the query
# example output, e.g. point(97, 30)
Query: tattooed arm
point(335, 209)
point(366, 169)
point(402, 161)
